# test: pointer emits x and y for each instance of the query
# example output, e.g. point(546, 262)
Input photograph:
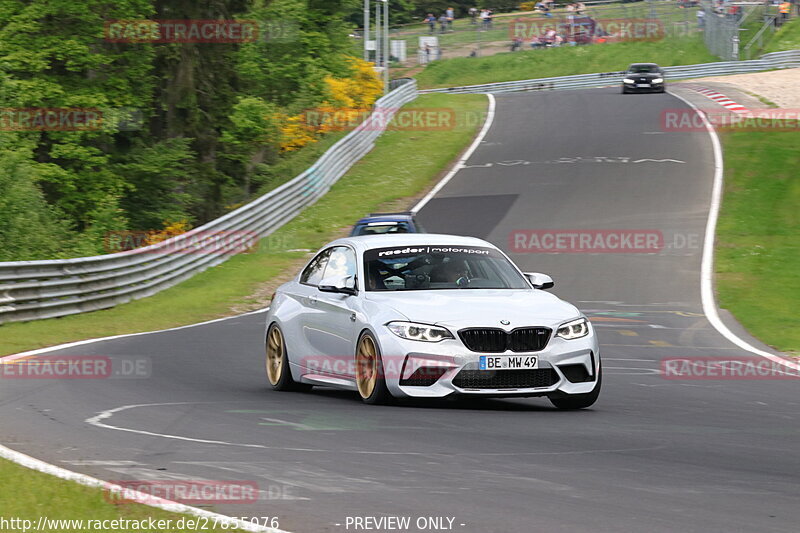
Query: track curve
point(653, 455)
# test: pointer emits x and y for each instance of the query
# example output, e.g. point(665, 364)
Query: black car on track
point(647, 77)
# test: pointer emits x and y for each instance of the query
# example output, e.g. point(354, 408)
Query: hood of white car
point(461, 308)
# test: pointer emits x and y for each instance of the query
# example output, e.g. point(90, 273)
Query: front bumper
point(561, 363)
point(652, 87)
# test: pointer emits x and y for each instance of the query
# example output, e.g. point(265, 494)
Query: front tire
point(571, 402)
point(370, 377)
point(279, 374)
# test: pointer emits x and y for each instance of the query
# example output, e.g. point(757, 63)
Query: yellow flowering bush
point(349, 101)
point(171, 229)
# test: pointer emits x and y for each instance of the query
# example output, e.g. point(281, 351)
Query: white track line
point(29, 353)
point(151, 501)
point(460, 163)
point(707, 264)
point(707, 295)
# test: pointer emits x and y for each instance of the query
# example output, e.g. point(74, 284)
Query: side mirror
point(540, 281)
point(341, 285)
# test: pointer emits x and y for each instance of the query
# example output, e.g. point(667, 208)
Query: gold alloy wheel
point(275, 349)
point(366, 366)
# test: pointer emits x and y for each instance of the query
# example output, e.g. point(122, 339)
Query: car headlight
point(573, 330)
point(627, 80)
point(419, 332)
point(658, 80)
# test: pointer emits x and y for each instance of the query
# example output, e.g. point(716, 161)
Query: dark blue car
point(386, 223)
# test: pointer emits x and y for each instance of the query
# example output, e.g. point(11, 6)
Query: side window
point(312, 275)
point(342, 262)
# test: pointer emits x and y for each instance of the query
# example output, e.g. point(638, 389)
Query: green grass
point(402, 165)
point(786, 38)
point(28, 495)
point(562, 61)
point(758, 248)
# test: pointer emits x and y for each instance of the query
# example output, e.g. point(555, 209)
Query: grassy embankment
point(786, 38)
point(562, 61)
point(758, 247)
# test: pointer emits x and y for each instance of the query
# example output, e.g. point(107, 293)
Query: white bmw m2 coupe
point(425, 315)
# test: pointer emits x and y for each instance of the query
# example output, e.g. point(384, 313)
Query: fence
point(738, 35)
point(775, 60)
point(757, 42)
point(464, 38)
point(32, 290)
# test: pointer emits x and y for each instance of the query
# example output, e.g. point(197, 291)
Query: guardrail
point(774, 60)
point(33, 290)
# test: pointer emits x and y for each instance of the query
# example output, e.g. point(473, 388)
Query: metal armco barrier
point(33, 290)
point(775, 60)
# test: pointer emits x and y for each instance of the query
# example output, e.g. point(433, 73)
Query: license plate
point(508, 362)
point(643, 85)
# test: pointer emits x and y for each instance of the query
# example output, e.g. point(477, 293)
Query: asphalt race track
point(653, 455)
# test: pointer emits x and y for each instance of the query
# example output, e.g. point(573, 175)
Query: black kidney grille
point(484, 339)
point(494, 340)
point(529, 339)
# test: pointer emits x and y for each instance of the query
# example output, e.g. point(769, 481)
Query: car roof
point(368, 242)
point(642, 65)
point(399, 217)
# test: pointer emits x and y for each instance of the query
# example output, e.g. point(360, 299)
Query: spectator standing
point(451, 15)
point(484, 16)
point(473, 15)
point(580, 7)
point(701, 19)
point(431, 20)
point(784, 10)
point(442, 23)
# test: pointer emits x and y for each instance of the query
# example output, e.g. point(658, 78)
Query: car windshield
point(425, 267)
point(377, 228)
point(643, 69)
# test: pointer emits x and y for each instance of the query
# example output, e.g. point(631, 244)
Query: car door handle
point(352, 317)
point(312, 300)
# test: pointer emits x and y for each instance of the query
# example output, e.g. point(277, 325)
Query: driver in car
point(451, 272)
